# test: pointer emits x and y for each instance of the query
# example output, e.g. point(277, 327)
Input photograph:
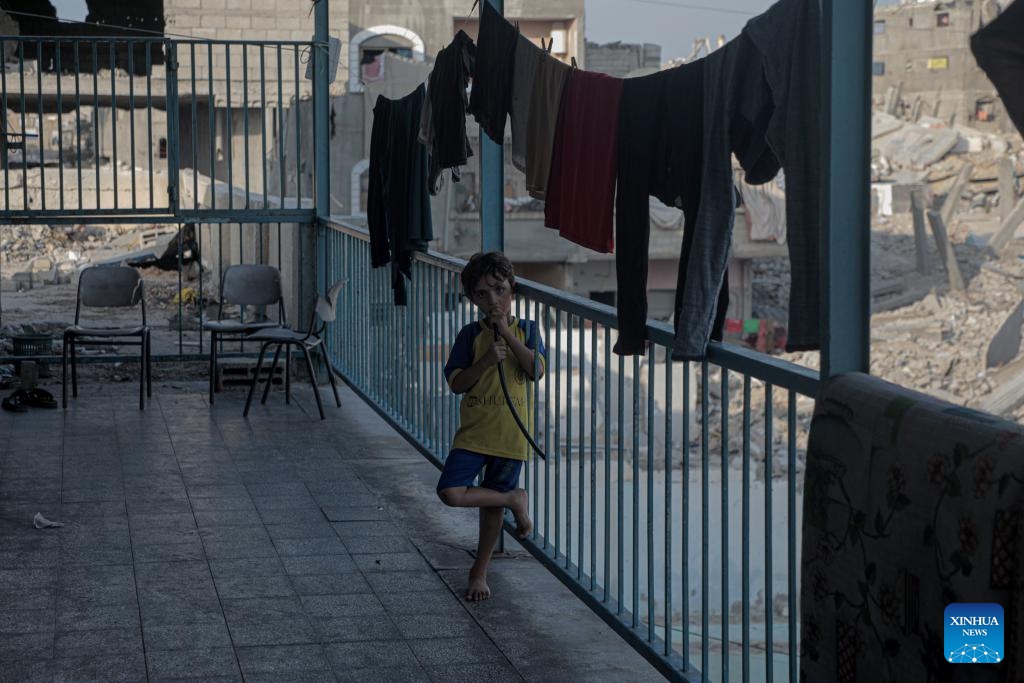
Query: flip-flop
point(40, 398)
point(15, 403)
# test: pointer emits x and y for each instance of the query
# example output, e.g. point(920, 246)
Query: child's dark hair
point(492, 263)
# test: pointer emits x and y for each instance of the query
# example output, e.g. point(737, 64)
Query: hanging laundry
point(398, 77)
point(545, 101)
point(581, 189)
point(999, 51)
point(491, 97)
point(660, 138)
point(523, 74)
point(762, 102)
point(398, 205)
point(443, 120)
point(765, 208)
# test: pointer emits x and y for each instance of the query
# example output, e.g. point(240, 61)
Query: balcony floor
point(198, 544)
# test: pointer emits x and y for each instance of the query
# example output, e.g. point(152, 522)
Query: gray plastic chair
point(108, 287)
point(253, 285)
point(324, 310)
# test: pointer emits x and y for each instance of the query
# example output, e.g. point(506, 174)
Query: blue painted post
point(321, 132)
point(492, 195)
point(846, 263)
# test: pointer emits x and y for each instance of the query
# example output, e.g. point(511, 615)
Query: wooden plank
point(956, 280)
point(952, 201)
point(1005, 344)
point(917, 208)
point(1006, 397)
point(1007, 192)
point(1006, 230)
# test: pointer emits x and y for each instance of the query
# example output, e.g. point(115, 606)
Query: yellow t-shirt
point(486, 424)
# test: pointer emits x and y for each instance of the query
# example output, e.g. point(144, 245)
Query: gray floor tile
point(202, 663)
point(247, 609)
point(224, 504)
point(270, 586)
point(492, 673)
point(450, 625)
point(291, 631)
point(16, 647)
point(349, 605)
point(355, 513)
point(325, 676)
point(280, 532)
point(403, 582)
point(318, 564)
point(391, 562)
point(238, 549)
point(338, 584)
point(281, 659)
point(243, 517)
point(328, 545)
point(85, 643)
point(27, 671)
point(348, 530)
point(399, 674)
point(98, 617)
point(129, 668)
point(253, 566)
point(286, 516)
point(344, 629)
point(452, 651)
point(422, 602)
point(186, 636)
point(168, 552)
point(378, 544)
point(369, 654)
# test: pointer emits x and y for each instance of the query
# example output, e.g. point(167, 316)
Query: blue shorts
point(462, 467)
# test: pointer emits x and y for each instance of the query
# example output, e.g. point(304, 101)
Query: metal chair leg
point(312, 380)
point(74, 369)
point(149, 365)
point(330, 375)
point(288, 375)
point(142, 371)
point(270, 378)
point(64, 372)
point(255, 377)
point(213, 361)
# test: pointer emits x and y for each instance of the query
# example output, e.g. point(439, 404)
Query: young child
point(488, 438)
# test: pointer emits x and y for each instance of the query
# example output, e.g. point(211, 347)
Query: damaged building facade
point(922, 57)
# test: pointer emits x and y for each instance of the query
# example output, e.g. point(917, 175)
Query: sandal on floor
point(40, 398)
point(15, 403)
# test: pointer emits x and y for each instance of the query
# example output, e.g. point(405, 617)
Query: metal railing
point(652, 504)
point(101, 127)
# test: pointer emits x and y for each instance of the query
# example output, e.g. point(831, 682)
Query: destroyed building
point(922, 52)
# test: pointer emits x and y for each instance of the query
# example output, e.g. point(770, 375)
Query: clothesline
point(595, 148)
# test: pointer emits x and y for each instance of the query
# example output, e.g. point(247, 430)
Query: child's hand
point(497, 352)
point(499, 321)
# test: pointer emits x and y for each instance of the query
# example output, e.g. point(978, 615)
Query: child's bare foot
point(520, 509)
point(478, 589)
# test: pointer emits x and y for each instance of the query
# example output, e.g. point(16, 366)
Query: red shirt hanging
point(581, 189)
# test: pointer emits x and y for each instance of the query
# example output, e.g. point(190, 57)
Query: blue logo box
point(973, 633)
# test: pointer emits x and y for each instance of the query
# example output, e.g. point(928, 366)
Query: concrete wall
point(622, 59)
point(267, 20)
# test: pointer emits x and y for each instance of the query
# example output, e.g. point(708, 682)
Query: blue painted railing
point(652, 504)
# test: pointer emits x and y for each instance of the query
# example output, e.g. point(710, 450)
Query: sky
point(673, 24)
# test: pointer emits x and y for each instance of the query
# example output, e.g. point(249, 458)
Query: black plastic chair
point(242, 285)
point(325, 310)
point(108, 287)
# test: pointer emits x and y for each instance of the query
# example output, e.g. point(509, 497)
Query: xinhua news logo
point(973, 633)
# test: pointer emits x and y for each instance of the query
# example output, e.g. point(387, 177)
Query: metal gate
point(205, 140)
